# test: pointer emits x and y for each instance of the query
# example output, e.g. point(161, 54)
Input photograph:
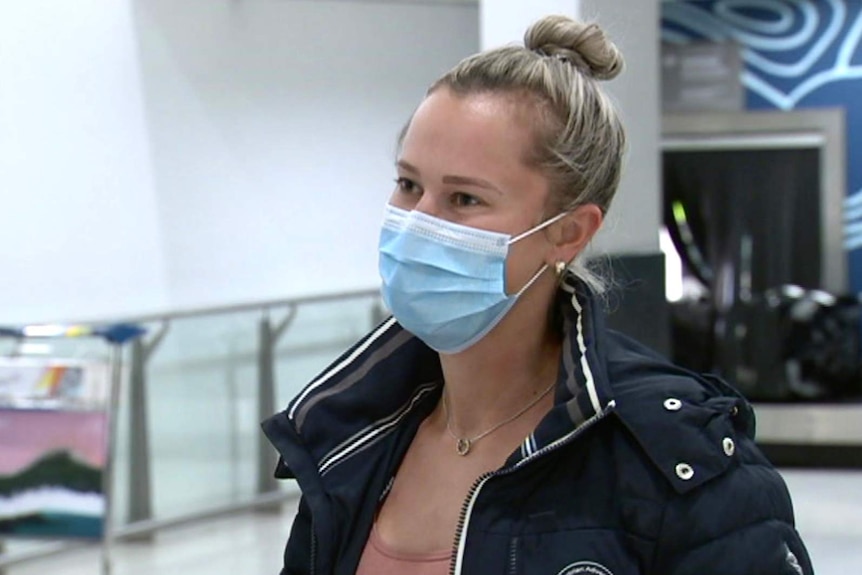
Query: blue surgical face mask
point(444, 282)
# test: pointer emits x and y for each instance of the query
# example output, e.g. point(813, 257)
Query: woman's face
point(462, 160)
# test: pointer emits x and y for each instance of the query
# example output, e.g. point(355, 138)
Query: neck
point(505, 371)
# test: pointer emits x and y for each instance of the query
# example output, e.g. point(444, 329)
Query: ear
point(572, 233)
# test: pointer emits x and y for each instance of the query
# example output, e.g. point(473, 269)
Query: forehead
point(484, 132)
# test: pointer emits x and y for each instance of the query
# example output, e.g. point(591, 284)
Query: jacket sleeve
point(298, 551)
point(740, 522)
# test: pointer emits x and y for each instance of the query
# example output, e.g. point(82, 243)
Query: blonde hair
point(579, 138)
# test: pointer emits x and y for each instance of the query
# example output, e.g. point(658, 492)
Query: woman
point(493, 425)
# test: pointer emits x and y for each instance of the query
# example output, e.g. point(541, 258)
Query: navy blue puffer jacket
point(640, 468)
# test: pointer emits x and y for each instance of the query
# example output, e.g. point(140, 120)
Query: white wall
point(79, 234)
point(504, 22)
point(634, 219)
point(273, 128)
point(159, 154)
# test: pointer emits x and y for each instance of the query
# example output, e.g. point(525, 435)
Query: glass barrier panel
point(202, 393)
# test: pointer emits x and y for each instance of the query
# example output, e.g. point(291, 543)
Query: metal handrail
point(268, 496)
point(233, 308)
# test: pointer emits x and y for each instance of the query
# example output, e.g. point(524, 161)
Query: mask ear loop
point(541, 226)
point(533, 280)
point(523, 235)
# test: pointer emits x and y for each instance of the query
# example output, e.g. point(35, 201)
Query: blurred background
point(214, 171)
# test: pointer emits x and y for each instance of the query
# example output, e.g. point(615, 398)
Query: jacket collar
point(379, 382)
point(391, 376)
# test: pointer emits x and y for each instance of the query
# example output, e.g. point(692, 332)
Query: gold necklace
point(464, 444)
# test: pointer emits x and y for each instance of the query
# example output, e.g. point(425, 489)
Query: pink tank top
point(380, 559)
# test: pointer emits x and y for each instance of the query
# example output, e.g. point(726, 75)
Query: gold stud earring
point(560, 268)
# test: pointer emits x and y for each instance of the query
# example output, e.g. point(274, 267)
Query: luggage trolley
point(57, 433)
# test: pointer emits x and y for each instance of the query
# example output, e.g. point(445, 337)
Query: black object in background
point(746, 223)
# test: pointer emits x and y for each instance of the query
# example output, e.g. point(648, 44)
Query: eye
point(462, 200)
point(406, 186)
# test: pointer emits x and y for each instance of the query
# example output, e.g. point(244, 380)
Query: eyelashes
point(456, 199)
point(406, 185)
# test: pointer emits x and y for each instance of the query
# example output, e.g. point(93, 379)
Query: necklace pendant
point(463, 446)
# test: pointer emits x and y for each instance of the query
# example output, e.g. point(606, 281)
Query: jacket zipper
point(455, 563)
point(513, 556)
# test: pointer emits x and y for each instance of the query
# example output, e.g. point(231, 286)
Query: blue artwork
point(796, 54)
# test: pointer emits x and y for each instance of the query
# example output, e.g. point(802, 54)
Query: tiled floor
point(828, 511)
point(245, 544)
point(828, 508)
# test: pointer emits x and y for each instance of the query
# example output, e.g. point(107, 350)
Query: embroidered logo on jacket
point(585, 568)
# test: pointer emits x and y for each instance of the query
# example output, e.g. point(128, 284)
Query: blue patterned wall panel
point(796, 54)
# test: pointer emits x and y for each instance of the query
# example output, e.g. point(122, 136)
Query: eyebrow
point(451, 179)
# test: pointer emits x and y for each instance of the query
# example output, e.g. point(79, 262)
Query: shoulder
point(724, 498)
point(692, 427)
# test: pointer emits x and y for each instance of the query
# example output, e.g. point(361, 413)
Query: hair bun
point(583, 45)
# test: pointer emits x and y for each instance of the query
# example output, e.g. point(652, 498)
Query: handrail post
point(140, 489)
point(110, 460)
point(267, 340)
point(378, 313)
